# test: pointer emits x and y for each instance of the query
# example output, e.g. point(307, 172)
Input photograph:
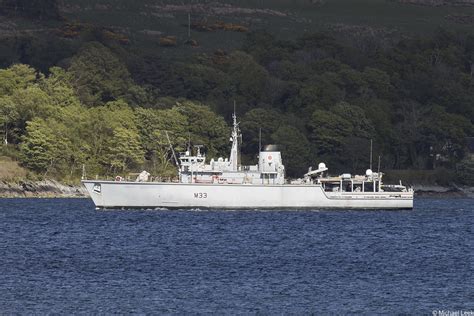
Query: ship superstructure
point(269, 170)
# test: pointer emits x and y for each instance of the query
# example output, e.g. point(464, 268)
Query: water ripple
point(62, 256)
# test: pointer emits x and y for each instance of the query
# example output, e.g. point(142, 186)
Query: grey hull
point(112, 194)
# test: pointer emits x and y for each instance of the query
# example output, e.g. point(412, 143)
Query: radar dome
point(368, 172)
point(321, 165)
point(270, 148)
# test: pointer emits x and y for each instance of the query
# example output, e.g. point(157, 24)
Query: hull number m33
point(200, 195)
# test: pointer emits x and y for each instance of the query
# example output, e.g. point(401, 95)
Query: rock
point(437, 190)
point(45, 188)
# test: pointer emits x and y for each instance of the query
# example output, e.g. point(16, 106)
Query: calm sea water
point(62, 256)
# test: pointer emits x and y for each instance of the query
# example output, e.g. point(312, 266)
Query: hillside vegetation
point(10, 170)
point(106, 92)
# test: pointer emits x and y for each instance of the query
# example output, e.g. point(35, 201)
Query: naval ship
point(226, 184)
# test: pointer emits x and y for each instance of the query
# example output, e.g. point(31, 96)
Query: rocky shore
point(41, 189)
point(443, 191)
point(55, 189)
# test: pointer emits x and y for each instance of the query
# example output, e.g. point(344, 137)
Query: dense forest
point(102, 104)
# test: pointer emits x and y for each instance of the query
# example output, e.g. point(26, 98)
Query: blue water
point(62, 256)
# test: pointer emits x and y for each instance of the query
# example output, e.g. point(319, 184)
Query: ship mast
point(234, 153)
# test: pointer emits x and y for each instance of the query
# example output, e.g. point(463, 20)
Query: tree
point(123, 150)
point(379, 82)
point(205, 127)
point(408, 125)
point(328, 131)
point(59, 88)
point(153, 127)
point(445, 134)
point(104, 129)
point(321, 92)
point(334, 134)
point(43, 146)
point(22, 100)
point(248, 77)
point(38, 149)
point(16, 77)
point(98, 75)
point(30, 103)
point(73, 123)
point(197, 81)
point(8, 115)
point(261, 45)
point(360, 125)
point(414, 99)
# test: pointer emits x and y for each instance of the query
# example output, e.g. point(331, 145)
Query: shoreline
point(56, 189)
point(452, 191)
point(41, 189)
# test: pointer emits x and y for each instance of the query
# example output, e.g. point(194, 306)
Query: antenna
point(378, 169)
point(370, 167)
point(259, 140)
point(172, 150)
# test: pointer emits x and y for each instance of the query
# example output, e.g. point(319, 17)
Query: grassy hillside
point(141, 24)
point(145, 21)
point(10, 170)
